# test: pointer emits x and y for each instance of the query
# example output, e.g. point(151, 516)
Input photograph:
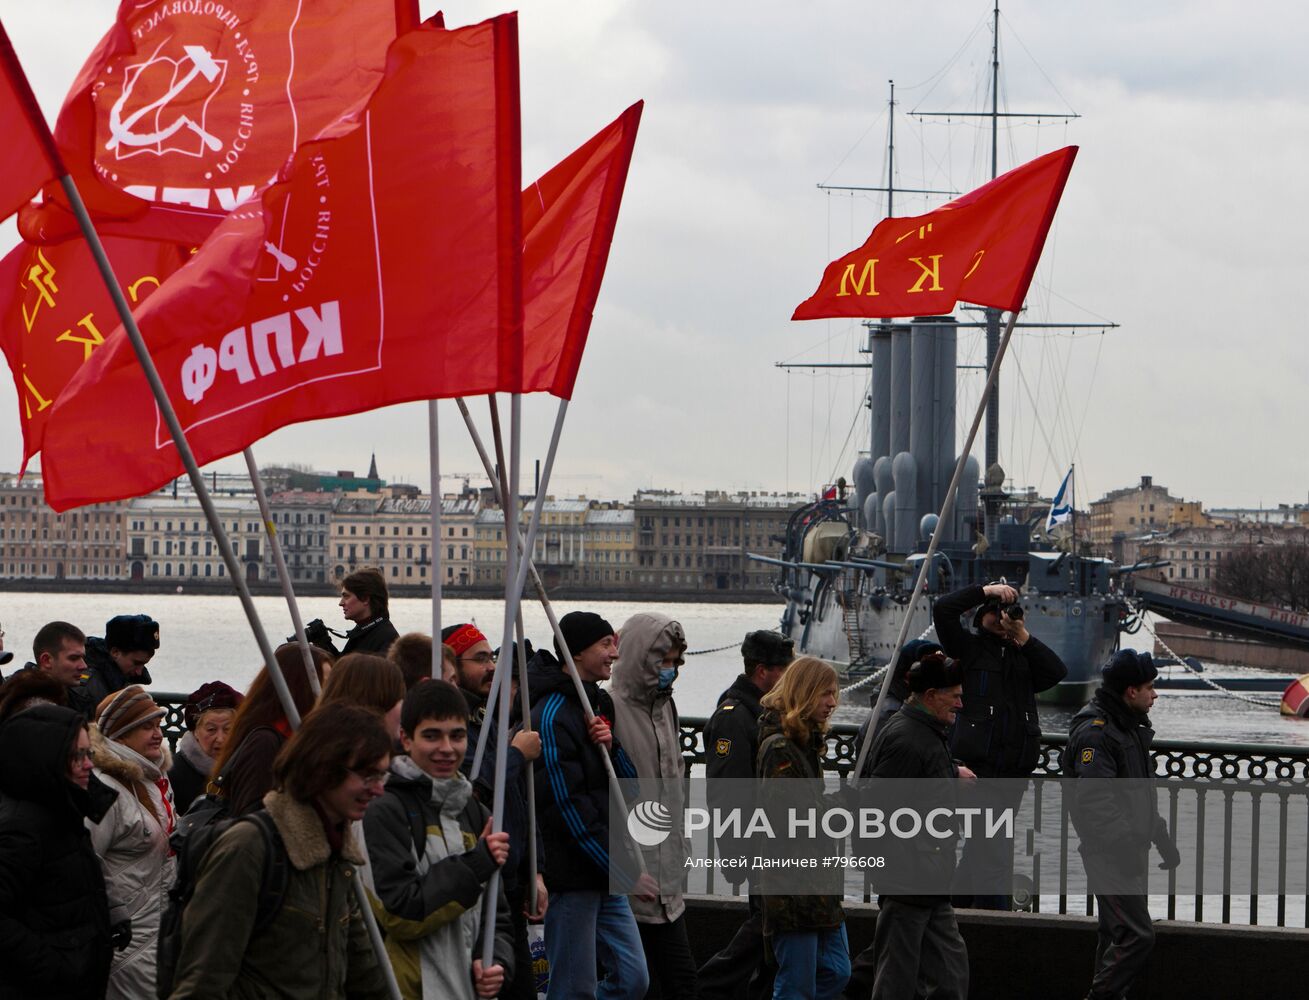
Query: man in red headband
point(474, 671)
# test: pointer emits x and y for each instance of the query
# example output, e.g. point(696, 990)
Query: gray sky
point(1182, 222)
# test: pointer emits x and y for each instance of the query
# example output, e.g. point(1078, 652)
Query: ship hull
point(1083, 631)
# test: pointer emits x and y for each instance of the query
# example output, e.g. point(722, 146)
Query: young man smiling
point(431, 852)
point(584, 921)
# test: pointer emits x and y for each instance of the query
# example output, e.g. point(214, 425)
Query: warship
point(850, 560)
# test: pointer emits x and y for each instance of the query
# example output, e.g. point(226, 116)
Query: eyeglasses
point(485, 659)
point(77, 756)
point(369, 777)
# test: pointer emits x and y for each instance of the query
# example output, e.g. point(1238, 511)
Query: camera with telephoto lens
point(317, 633)
point(1014, 612)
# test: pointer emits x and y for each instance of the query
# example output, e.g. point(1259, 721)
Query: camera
point(1014, 612)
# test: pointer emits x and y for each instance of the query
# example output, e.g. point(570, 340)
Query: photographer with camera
point(998, 733)
point(363, 602)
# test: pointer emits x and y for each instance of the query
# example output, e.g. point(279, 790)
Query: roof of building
point(187, 504)
point(668, 498)
point(624, 517)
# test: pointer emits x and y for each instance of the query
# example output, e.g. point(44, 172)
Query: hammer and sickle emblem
point(121, 129)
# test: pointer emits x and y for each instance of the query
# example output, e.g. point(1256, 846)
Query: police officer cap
point(934, 670)
point(766, 648)
point(1128, 668)
point(132, 632)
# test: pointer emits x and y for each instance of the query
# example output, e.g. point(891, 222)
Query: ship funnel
point(932, 410)
point(965, 501)
point(879, 352)
point(864, 486)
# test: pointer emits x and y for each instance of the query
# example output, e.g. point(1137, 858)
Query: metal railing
point(1202, 777)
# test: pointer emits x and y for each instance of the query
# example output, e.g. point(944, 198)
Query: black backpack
point(192, 842)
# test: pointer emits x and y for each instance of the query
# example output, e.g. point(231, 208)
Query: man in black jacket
point(917, 941)
point(998, 733)
point(364, 602)
point(584, 921)
point(731, 741)
point(120, 658)
point(1116, 821)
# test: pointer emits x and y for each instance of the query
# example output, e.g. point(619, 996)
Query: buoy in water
point(1295, 700)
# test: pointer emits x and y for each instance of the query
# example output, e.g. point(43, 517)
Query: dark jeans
point(669, 959)
point(1123, 946)
point(523, 984)
point(918, 945)
point(738, 971)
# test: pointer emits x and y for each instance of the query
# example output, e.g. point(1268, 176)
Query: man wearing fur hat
point(120, 658)
point(1117, 822)
point(998, 733)
point(584, 921)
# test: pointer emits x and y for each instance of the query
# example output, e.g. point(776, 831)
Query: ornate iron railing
point(1210, 775)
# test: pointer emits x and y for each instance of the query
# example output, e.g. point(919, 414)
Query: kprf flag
point(187, 108)
point(569, 217)
point(1061, 507)
point(980, 248)
point(55, 312)
point(30, 160)
point(385, 267)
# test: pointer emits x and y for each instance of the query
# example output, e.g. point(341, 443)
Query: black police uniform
point(731, 741)
point(1108, 739)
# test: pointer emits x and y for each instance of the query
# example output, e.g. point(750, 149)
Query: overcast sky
point(1183, 222)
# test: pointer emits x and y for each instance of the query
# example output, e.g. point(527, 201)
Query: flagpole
point(434, 447)
point(211, 515)
point(179, 439)
point(992, 379)
point(533, 525)
point(513, 597)
point(525, 711)
point(279, 558)
point(570, 667)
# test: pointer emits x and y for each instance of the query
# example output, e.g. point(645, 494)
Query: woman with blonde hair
point(130, 757)
point(805, 932)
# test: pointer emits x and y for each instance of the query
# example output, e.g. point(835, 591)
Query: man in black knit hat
point(584, 921)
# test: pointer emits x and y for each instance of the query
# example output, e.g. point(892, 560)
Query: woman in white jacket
point(127, 746)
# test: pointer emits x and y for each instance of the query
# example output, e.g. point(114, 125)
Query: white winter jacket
point(132, 844)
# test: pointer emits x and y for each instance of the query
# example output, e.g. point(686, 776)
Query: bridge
point(1230, 615)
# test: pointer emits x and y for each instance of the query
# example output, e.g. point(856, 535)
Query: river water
point(206, 637)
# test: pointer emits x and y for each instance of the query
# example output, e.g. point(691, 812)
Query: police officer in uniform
point(1116, 823)
point(998, 734)
point(731, 740)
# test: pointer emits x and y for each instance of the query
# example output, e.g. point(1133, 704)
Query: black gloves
point(120, 935)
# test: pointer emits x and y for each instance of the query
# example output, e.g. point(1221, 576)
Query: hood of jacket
point(34, 749)
point(643, 642)
point(124, 764)
point(303, 834)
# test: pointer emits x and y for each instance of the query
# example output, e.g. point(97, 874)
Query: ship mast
point(991, 498)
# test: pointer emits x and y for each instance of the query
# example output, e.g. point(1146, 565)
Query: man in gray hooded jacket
point(650, 653)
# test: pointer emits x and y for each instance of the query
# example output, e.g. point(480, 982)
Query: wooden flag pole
point(946, 508)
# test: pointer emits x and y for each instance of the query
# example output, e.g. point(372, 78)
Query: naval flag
point(1061, 507)
point(187, 109)
point(384, 266)
point(980, 248)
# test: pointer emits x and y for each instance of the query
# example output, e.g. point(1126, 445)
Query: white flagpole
point(434, 447)
point(513, 596)
point(946, 508)
point(533, 525)
point(284, 576)
point(615, 790)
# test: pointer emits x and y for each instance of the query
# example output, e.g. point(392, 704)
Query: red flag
point(30, 160)
point(568, 224)
point(980, 248)
point(55, 311)
point(386, 267)
point(186, 108)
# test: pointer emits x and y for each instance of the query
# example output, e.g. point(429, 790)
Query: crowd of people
point(230, 868)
